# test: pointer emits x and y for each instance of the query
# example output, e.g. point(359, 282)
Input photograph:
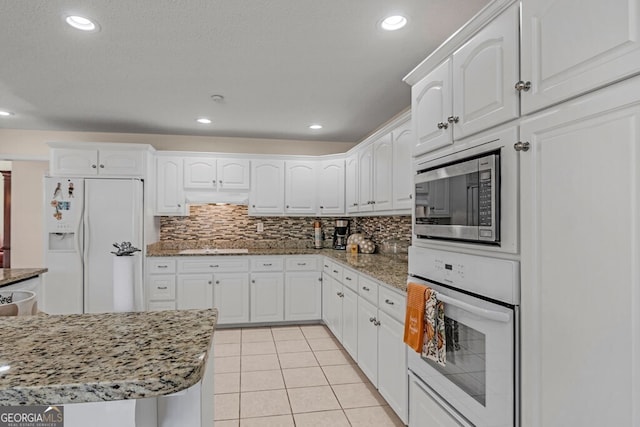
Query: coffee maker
point(340, 234)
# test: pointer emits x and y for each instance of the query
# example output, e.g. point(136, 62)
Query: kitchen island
point(135, 357)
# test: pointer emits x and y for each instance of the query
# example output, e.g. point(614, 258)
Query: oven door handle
point(482, 312)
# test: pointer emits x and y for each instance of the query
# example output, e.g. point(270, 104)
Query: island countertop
point(62, 359)
point(9, 276)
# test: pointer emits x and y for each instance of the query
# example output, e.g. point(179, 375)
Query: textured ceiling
point(280, 64)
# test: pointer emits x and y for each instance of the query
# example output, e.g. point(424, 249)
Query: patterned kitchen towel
point(435, 346)
point(414, 316)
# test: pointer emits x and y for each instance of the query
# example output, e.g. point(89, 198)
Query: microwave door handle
point(464, 168)
point(482, 312)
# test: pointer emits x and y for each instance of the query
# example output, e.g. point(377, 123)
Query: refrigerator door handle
point(85, 250)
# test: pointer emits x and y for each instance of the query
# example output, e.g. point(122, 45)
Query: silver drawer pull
point(163, 266)
point(162, 287)
point(340, 294)
point(372, 319)
point(347, 278)
point(335, 271)
point(214, 266)
point(388, 301)
point(301, 264)
point(326, 266)
point(366, 289)
point(267, 265)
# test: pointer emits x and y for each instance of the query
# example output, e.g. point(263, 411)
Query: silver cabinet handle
point(209, 282)
point(347, 278)
point(301, 264)
point(372, 319)
point(355, 204)
point(179, 205)
point(321, 207)
point(521, 146)
point(373, 202)
point(101, 166)
point(326, 266)
point(366, 289)
point(94, 166)
point(320, 279)
point(453, 119)
point(163, 266)
point(253, 281)
point(410, 196)
point(388, 301)
point(217, 282)
point(335, 271)
point(442, 125)
point(522, 86)
point(267, 264)
point(220, 182)
point(340, 294)
point(214, 265)
point(376, 323)
point(162, 287)
point(287, 206)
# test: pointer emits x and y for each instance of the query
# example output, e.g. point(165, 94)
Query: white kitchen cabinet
point(382, 174)
point(472, 90)
point(485, 71)
point(267, 297)
point(233, 174)
point(170, 199)
point(403, 142)
point(331, 187)
point(200, 173)
point(425, 410)
point(392, 364)
point(300, 187)
point(365, 182)
point(368, 340)
point(580, 240)
point(572, 47)
point(231, 297)
point(333, 300)
point(351, 183)
point(350, 322)
point(195, 291)
point(93, 162)
point(267, 187)
point(302, 295)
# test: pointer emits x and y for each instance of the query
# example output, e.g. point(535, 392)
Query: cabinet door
point(365, 173)
point(231, 297)
point(351, 183)
point(583, 165)
point(368, 340)
point(169, 189)
point(73, 162)
point(331, 187)
point(403, 141)
point(303, 295)
point(350, 322)
point(334, 306)
point(267, 187)
point(121, 162)
point(425, 410)
point(571, 47)
point(267, 297)
point(300, 187)
point(383, 174)
point(392, 360)
point(233, 174)
point(200, 173)
point(485, 71)
point(195, 291)
point(431, 105)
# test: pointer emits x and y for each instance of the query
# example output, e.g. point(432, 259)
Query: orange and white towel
point(414, 317)
point(435, 345)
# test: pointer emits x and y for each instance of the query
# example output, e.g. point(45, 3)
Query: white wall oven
point(468, 195)
point(478, 384)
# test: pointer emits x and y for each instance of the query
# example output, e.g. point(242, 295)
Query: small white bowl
point(24, 303)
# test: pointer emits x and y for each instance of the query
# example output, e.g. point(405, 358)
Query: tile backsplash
point(230, 223)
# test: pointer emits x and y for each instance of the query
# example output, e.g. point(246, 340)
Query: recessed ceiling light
point(315, 127)
point(5, 113)
point(81, 23)
point(203, 121)
point(392, 23)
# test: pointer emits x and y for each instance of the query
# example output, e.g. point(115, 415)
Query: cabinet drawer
point(327, 266)
point(267, 264)
point(213, 264)
point(392, 303)
point(161, 265)
point(336, 271)
point(350, 279)
point(161, 305)
point(368, 289)
point(162, 287)
point(309, 263)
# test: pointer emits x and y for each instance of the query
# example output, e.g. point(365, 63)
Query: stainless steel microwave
point(459, 200)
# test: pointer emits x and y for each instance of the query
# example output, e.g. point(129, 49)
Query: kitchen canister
point(367, 247)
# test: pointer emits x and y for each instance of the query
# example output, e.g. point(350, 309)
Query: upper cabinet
point(403, 142)
point(570, 47)
point(330, 187)
point(300, 187)
point(382, 174)
point(365, 174)
point(106, 162)
point(267, 187)
point(351, 183)
point(472, 90)
point(170, 198)
point(216, 174)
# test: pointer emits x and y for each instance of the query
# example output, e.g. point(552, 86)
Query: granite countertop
point(389, 269)
point(61, 359)
point(9, 276)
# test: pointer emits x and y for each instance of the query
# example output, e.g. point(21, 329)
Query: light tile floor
point(292, 376)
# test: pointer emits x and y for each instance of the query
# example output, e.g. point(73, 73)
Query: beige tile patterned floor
point(292, 376)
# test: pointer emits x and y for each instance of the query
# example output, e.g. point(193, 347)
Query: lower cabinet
point(333, 299)
point(350, 322)
point(303, 295)
point(368, 340)
point(425, 410)
point(392, 364)
point(231, 297)
point(195, 291)
point(267, 297)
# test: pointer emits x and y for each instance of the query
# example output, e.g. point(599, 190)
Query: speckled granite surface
point(99, 357)
point(389, 269)
point(9, 276)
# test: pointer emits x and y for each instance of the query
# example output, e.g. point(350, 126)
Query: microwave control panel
point(485, 198)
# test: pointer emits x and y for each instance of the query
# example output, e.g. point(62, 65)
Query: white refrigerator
point(84, 217)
